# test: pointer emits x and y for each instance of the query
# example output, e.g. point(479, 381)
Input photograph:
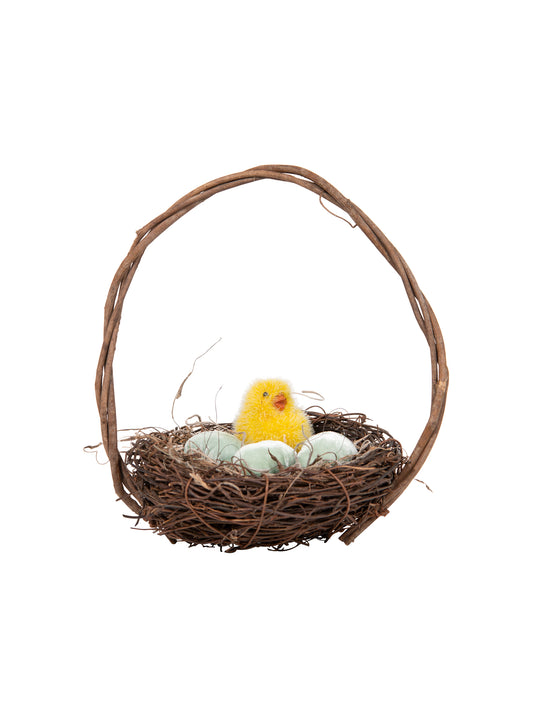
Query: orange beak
point(279, 401)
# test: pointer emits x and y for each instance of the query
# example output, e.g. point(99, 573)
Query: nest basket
point(188, 497)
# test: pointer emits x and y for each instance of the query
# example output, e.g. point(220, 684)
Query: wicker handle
point(105, 395)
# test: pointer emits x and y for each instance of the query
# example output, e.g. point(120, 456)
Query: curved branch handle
point(105, 395)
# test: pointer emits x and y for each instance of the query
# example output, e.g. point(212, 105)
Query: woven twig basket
point(182, 499)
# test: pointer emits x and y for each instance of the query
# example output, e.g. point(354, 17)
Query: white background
point(420, 113)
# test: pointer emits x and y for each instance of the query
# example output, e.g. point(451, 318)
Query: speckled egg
point(328, 446)
point(257, 458)
point(218, 445)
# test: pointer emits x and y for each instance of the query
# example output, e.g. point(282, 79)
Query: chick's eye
point(265, 394)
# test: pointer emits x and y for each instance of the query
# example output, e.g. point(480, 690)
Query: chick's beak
point(279, 401)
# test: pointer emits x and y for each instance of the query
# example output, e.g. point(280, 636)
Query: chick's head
point(268, 412)
point(268, 397)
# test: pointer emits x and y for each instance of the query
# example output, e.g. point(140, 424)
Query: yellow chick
point(268, 411)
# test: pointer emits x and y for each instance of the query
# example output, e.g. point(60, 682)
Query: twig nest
point(217, 445)
point(191, 497)
point(265, 457)
point(326, 446)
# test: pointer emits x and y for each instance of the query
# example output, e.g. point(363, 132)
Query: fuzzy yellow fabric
point(268, 412)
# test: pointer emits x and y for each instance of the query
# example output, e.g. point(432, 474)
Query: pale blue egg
point(217, 445)
point(326, 445)
point(257, 457)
